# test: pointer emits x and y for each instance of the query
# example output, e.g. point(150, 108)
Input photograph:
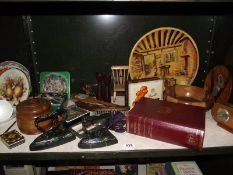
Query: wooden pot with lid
point(28, 110)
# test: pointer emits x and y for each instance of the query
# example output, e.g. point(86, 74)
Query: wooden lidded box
point(28, 110)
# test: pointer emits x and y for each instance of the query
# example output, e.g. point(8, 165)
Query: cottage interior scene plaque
point(165, 53)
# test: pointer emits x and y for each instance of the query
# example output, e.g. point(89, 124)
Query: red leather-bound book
point(174, 123)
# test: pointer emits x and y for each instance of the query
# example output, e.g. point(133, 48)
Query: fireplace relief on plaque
point(165, 53)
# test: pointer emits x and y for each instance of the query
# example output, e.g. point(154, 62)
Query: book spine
point(149, 129)
point(135, 125)
point(168, 168)
point(131, 125)
point(167, 132)
point(140, 126)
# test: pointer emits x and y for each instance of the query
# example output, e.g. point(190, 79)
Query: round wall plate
point(165, 53)
point(14, 86)
point(15, 65)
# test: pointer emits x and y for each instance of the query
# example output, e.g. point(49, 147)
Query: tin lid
point(33, 106)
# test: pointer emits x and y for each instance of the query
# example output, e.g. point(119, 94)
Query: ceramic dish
point(14, 86)
point(6, 110)
point(15, 65)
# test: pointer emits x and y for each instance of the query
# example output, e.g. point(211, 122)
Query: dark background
point(74, 37)
point(84, 43)
point(87, 44)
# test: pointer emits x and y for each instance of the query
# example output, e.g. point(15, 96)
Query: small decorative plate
point(15, 65)
point(165, 53)
point(14, 85)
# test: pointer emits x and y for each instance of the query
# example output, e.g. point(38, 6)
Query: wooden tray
point(165, 52)
point(98, 106)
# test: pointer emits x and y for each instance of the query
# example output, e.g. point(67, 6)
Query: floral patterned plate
point(14, 85)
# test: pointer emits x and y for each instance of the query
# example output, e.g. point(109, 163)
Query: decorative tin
point(55, 86)
point(55, 82)
point(56, 99)
point(166, 53)
point(12, 138)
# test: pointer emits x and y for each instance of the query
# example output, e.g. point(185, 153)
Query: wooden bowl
point(189, 95)
point(28, 110)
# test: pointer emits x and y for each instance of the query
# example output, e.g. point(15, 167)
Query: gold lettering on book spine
point(192, 139)
point(164, 110)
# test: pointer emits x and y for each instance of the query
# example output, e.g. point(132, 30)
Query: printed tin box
point(55, 86)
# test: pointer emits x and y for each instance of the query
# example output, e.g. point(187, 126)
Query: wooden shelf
point(144, 149)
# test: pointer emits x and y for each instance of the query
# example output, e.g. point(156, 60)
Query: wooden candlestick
point(99, 78)
point(107, 81)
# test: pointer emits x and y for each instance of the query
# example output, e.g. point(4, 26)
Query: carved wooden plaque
point(165, 53)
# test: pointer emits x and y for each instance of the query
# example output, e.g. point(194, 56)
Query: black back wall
point(13, 42)
point(86, 44)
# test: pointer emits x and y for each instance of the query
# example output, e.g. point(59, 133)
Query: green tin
point(54, 83)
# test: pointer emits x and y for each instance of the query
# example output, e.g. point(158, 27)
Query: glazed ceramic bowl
point(189, 95)
point(6, 110)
